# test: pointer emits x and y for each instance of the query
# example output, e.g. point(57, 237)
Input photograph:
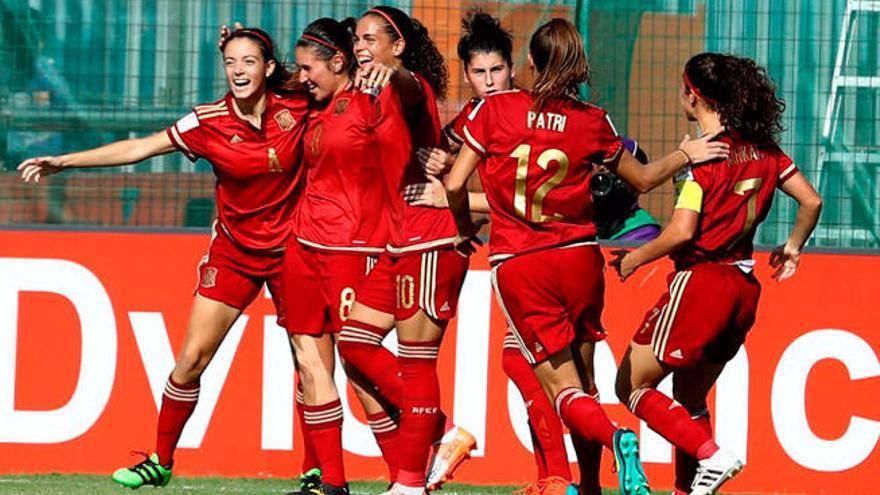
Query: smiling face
point(374, 44)
point(246, 69)
point(322, 78)
point(488, 72)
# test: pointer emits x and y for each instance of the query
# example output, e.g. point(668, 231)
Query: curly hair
point(482, 33)
point(741, 92)
point(328, 37)
point(420, 54)
point(281, 80)
point(558, 54)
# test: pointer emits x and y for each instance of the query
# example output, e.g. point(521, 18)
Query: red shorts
point(707, 311)
point(552, 298)
point(429, 281)
point(234, 275)
point(319, 287)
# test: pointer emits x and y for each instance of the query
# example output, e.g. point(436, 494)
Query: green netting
point(79, 73)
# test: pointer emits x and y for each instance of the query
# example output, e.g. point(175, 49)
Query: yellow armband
point(690, 195)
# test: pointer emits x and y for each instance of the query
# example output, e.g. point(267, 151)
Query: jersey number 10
point(522, 153)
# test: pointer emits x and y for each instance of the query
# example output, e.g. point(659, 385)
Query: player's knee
point(623, 388)
point(191, 364)
point(311, 369)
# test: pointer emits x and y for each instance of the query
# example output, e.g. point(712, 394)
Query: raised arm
point(785, 258)
point(119, 153)
point(691, 151)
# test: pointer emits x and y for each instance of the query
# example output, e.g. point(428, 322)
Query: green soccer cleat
point(629, 467)
point(308, 481)
point(148, 472)
point(324, 489)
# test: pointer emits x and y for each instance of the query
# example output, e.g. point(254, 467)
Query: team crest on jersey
point(209, 277)
point(285, 121)
point(341, 106)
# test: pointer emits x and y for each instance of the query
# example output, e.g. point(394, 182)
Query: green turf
point(56, 484)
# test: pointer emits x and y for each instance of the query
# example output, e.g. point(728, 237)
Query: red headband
point(322, 42)
point(693, 89)
point(259, 35)
point(387, 18)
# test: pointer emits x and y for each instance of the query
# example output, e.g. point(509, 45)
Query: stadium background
point(79, 73)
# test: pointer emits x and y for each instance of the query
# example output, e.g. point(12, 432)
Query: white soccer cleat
point(398, 489)
point(714, 471)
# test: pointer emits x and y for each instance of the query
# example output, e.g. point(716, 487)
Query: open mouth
point(364, 59)
point(240, 83)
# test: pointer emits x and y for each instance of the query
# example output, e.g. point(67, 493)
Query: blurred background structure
point(79, 73)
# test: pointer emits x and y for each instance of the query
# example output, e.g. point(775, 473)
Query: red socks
point(324, 424)
point(589, 458)
point(685, 465)
point(420, 411)
point(546, 428)
point(585, 417)
point(178, 403)
point(360, 345)
point(309, 459)
point(672, 422)
point(386, 432)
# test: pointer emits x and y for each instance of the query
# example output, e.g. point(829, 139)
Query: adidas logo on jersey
point(676, 354)
point(445, 306)
point(236, 139)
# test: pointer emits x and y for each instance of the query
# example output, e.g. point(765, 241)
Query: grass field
point(57, 484)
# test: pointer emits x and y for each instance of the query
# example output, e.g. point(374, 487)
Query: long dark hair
point(741, 92)
point(482, 33)
point(558, 54)
point(281, 79)
point(329, 37)
point(420, 54)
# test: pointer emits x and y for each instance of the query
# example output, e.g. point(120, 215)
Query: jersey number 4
point(523, 153)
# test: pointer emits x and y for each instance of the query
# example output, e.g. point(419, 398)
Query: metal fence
point(85, 72)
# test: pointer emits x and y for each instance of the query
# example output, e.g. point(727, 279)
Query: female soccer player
point(339, 225)
point(415, 286)
point(485, 50)
point(252, 139)
point(538, 150)
point(700, 323)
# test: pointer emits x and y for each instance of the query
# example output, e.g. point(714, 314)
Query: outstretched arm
point(119, 153)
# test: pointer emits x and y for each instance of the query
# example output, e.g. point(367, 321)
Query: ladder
point(838, 161)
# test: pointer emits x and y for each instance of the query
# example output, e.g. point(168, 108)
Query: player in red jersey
point(252, 139)
point(700, 323)
point(354, 140)
point(414, 286)
point(536, 151)
point(485, 50)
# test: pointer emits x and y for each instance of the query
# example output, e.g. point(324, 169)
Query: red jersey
point(536, 168)
point(421, 228)
point(257, 169)
point(355, 151)
point(454, 130)
point(732, 197)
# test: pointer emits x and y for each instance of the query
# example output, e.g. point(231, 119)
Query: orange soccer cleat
point(454, 448)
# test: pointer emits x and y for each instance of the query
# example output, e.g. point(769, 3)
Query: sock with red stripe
point(685, 465)
point(386, 431)
point(360, 345)
point(585, 417)
point(178, 403)
point(325, 429)
point(420, 413)
point(672, 422)
point(310, 460)
point(550, 454)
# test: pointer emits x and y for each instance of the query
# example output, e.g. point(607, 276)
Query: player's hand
point(465, 241)
point(623, 262)
point(373, 75)
point(434, 160)
point(705, 148)
point(34, 168)
point(785, 259)
point(431, 193)
point(225, 32)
